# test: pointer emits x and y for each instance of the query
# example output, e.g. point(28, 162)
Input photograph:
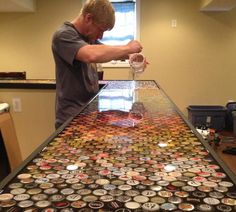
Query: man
point(76, 50)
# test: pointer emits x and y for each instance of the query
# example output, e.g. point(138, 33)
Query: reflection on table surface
point(129, 150)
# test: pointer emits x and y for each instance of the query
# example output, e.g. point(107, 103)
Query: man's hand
point(134, 46)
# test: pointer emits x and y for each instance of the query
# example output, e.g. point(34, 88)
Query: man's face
point(96, 31)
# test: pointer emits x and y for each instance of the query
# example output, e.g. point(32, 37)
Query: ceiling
point(30, 5)
point(217, 5)
point(17, 5)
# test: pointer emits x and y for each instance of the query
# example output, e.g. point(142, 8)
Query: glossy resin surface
point(130, 149)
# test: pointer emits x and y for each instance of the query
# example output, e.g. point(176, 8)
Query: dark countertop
point(29, 84)
point(33, 84)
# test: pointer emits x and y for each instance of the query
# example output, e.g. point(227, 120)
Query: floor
point(4, 163)
point(227, 140)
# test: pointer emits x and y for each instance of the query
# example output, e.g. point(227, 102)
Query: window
point(126, 27)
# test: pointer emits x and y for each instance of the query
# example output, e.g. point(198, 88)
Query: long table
point(129, 149)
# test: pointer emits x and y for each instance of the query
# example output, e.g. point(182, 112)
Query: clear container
point(137, 62)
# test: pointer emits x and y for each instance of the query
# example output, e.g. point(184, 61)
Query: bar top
point(129, 149)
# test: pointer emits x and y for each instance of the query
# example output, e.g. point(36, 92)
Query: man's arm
point(106, 53)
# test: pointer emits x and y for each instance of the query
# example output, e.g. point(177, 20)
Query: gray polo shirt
point(76, 82)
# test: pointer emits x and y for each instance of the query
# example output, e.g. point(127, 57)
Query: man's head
point(101, 11)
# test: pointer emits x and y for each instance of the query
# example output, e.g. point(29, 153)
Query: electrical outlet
point(16, 102)
point(173, 23)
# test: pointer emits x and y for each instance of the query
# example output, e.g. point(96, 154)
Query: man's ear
point(88, 18)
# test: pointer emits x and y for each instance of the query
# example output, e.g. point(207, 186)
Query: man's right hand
point(134, 46)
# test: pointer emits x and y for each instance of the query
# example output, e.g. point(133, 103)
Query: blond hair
point(102, 12)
